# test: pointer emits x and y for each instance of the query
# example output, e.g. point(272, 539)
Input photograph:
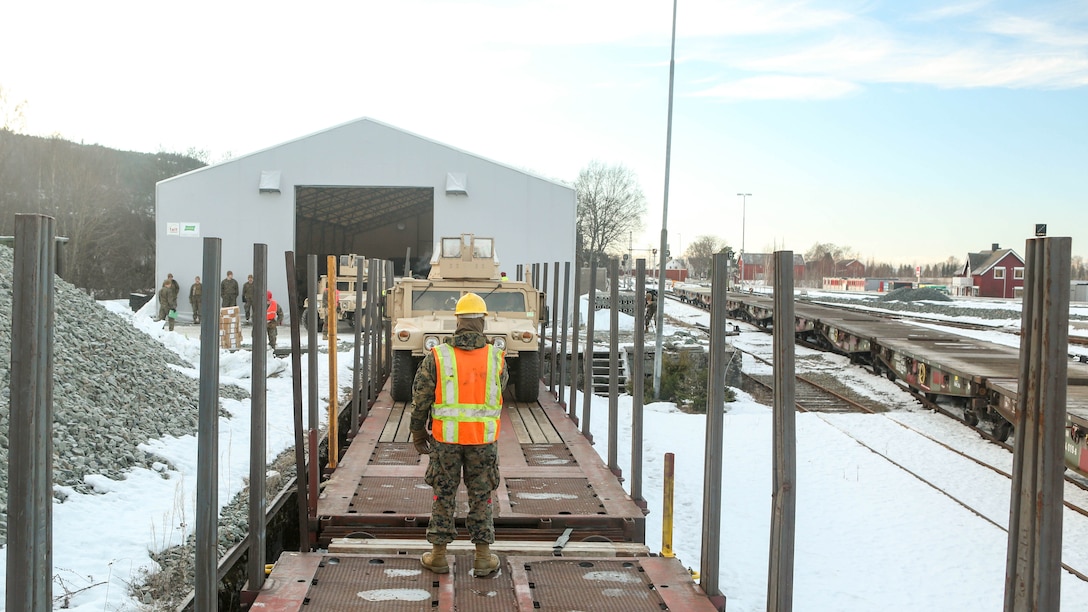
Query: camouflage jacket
point(167, 298)
point(195, 292)
point(247, 291)
point(228, 288)
point(427, 377)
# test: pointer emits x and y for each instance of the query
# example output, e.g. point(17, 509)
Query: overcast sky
point(909, 131)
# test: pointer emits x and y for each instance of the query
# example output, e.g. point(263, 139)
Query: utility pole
point(664, 221)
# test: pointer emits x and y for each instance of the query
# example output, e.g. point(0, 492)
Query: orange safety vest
point(271, 312)
point(468, 396)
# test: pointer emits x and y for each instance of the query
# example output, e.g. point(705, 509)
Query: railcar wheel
point(1002, 430)
point(403, 375)
point(890, 374)
point(970, 417)
point(527, 377)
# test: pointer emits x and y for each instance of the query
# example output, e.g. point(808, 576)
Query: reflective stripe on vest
point(467, 397)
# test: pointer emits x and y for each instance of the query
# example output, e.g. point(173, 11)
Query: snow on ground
point(869, 535)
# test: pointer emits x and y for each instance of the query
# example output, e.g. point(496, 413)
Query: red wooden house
point(850, 268)
point(758, 267)
point(994, 273)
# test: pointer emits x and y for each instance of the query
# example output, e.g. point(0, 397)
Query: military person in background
point(168, 304)
point(274, 318)
point(229, 290)
point(464, 415)
point(174, 286)
point(247, 295)
point(194, 298)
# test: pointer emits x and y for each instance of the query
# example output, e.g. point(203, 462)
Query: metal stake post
point(783, 499)
point(613, 365)
point(538, 270)
point(371, 314)
point(575, 345)
point(30, 428)
point(358, 360)
point(331, 321)
point(257, 422)
point(638, 383)
point(301, 475)
point(563, 335)
point(363, 333)
point(311, 381)
point(207, 446)
point(587, 393)
point(1033, 565)
point(552, 377)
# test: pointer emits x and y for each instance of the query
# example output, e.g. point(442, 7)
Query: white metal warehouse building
point(363, 187)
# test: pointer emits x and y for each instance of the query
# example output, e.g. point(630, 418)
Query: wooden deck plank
point(389, 432)
point(517, 423)
point(536, 435)
point(551, 436)
point(404, 430)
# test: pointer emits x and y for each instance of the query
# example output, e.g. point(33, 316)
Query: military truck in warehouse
point(421, 312)
point(345, 293)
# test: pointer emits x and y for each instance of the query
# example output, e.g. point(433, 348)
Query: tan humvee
point(422, 313)
point(345, 290)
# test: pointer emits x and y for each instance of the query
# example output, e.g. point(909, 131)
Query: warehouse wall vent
point(456, 183)
point(270, 181)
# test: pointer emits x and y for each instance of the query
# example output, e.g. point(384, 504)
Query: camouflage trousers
point(271, 327)
point(196, 311)
point(480, 465)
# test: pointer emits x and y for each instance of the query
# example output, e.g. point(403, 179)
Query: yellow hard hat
point(471, 306)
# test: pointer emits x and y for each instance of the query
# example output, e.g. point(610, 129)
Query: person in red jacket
point(274, 316)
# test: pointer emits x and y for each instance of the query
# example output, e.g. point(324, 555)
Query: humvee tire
point(403, 375)
point(527, 377)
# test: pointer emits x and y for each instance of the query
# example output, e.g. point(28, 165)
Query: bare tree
point(610, 206)
point(12, 114)
point(700, 254)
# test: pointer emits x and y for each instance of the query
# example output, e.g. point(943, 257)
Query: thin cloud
point(974, 48)
point(780, 87)
point(955, 10)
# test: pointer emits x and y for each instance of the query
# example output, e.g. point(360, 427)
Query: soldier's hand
point(422, 441)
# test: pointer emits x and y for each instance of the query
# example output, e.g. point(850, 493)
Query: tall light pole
point(743, 201)
point(660, 318)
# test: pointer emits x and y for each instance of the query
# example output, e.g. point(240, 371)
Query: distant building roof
point(980, 263)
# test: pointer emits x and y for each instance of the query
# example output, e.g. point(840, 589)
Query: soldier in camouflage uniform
point(228, 290)
point(247, 296)
point(168, 303)
point(478, 461)
point(195, 291)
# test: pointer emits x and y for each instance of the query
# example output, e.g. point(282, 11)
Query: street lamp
point(743, 201)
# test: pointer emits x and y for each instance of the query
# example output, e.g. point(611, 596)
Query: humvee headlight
point(499, 342)
point(430, 342)
point(526, 336)
point(403, 335)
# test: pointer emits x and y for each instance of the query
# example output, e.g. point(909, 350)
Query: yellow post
point(666, 521)
point(330, 326)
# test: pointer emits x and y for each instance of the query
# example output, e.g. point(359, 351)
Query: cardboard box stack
point(230, 328)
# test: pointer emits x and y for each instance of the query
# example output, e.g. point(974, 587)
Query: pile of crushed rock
point(113, 390)
point(909, 294)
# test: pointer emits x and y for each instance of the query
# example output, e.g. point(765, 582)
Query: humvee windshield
point(435, 300)
point(505, 302)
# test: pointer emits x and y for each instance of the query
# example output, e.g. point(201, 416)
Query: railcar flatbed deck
point(551, 480)
point(376, 582)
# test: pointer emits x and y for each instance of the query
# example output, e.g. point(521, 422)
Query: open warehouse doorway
point(375, 222)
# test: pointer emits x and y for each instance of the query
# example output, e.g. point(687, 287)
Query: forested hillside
point(103, 201)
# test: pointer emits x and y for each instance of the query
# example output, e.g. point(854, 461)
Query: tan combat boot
point(436, 559)
point(485, 563)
